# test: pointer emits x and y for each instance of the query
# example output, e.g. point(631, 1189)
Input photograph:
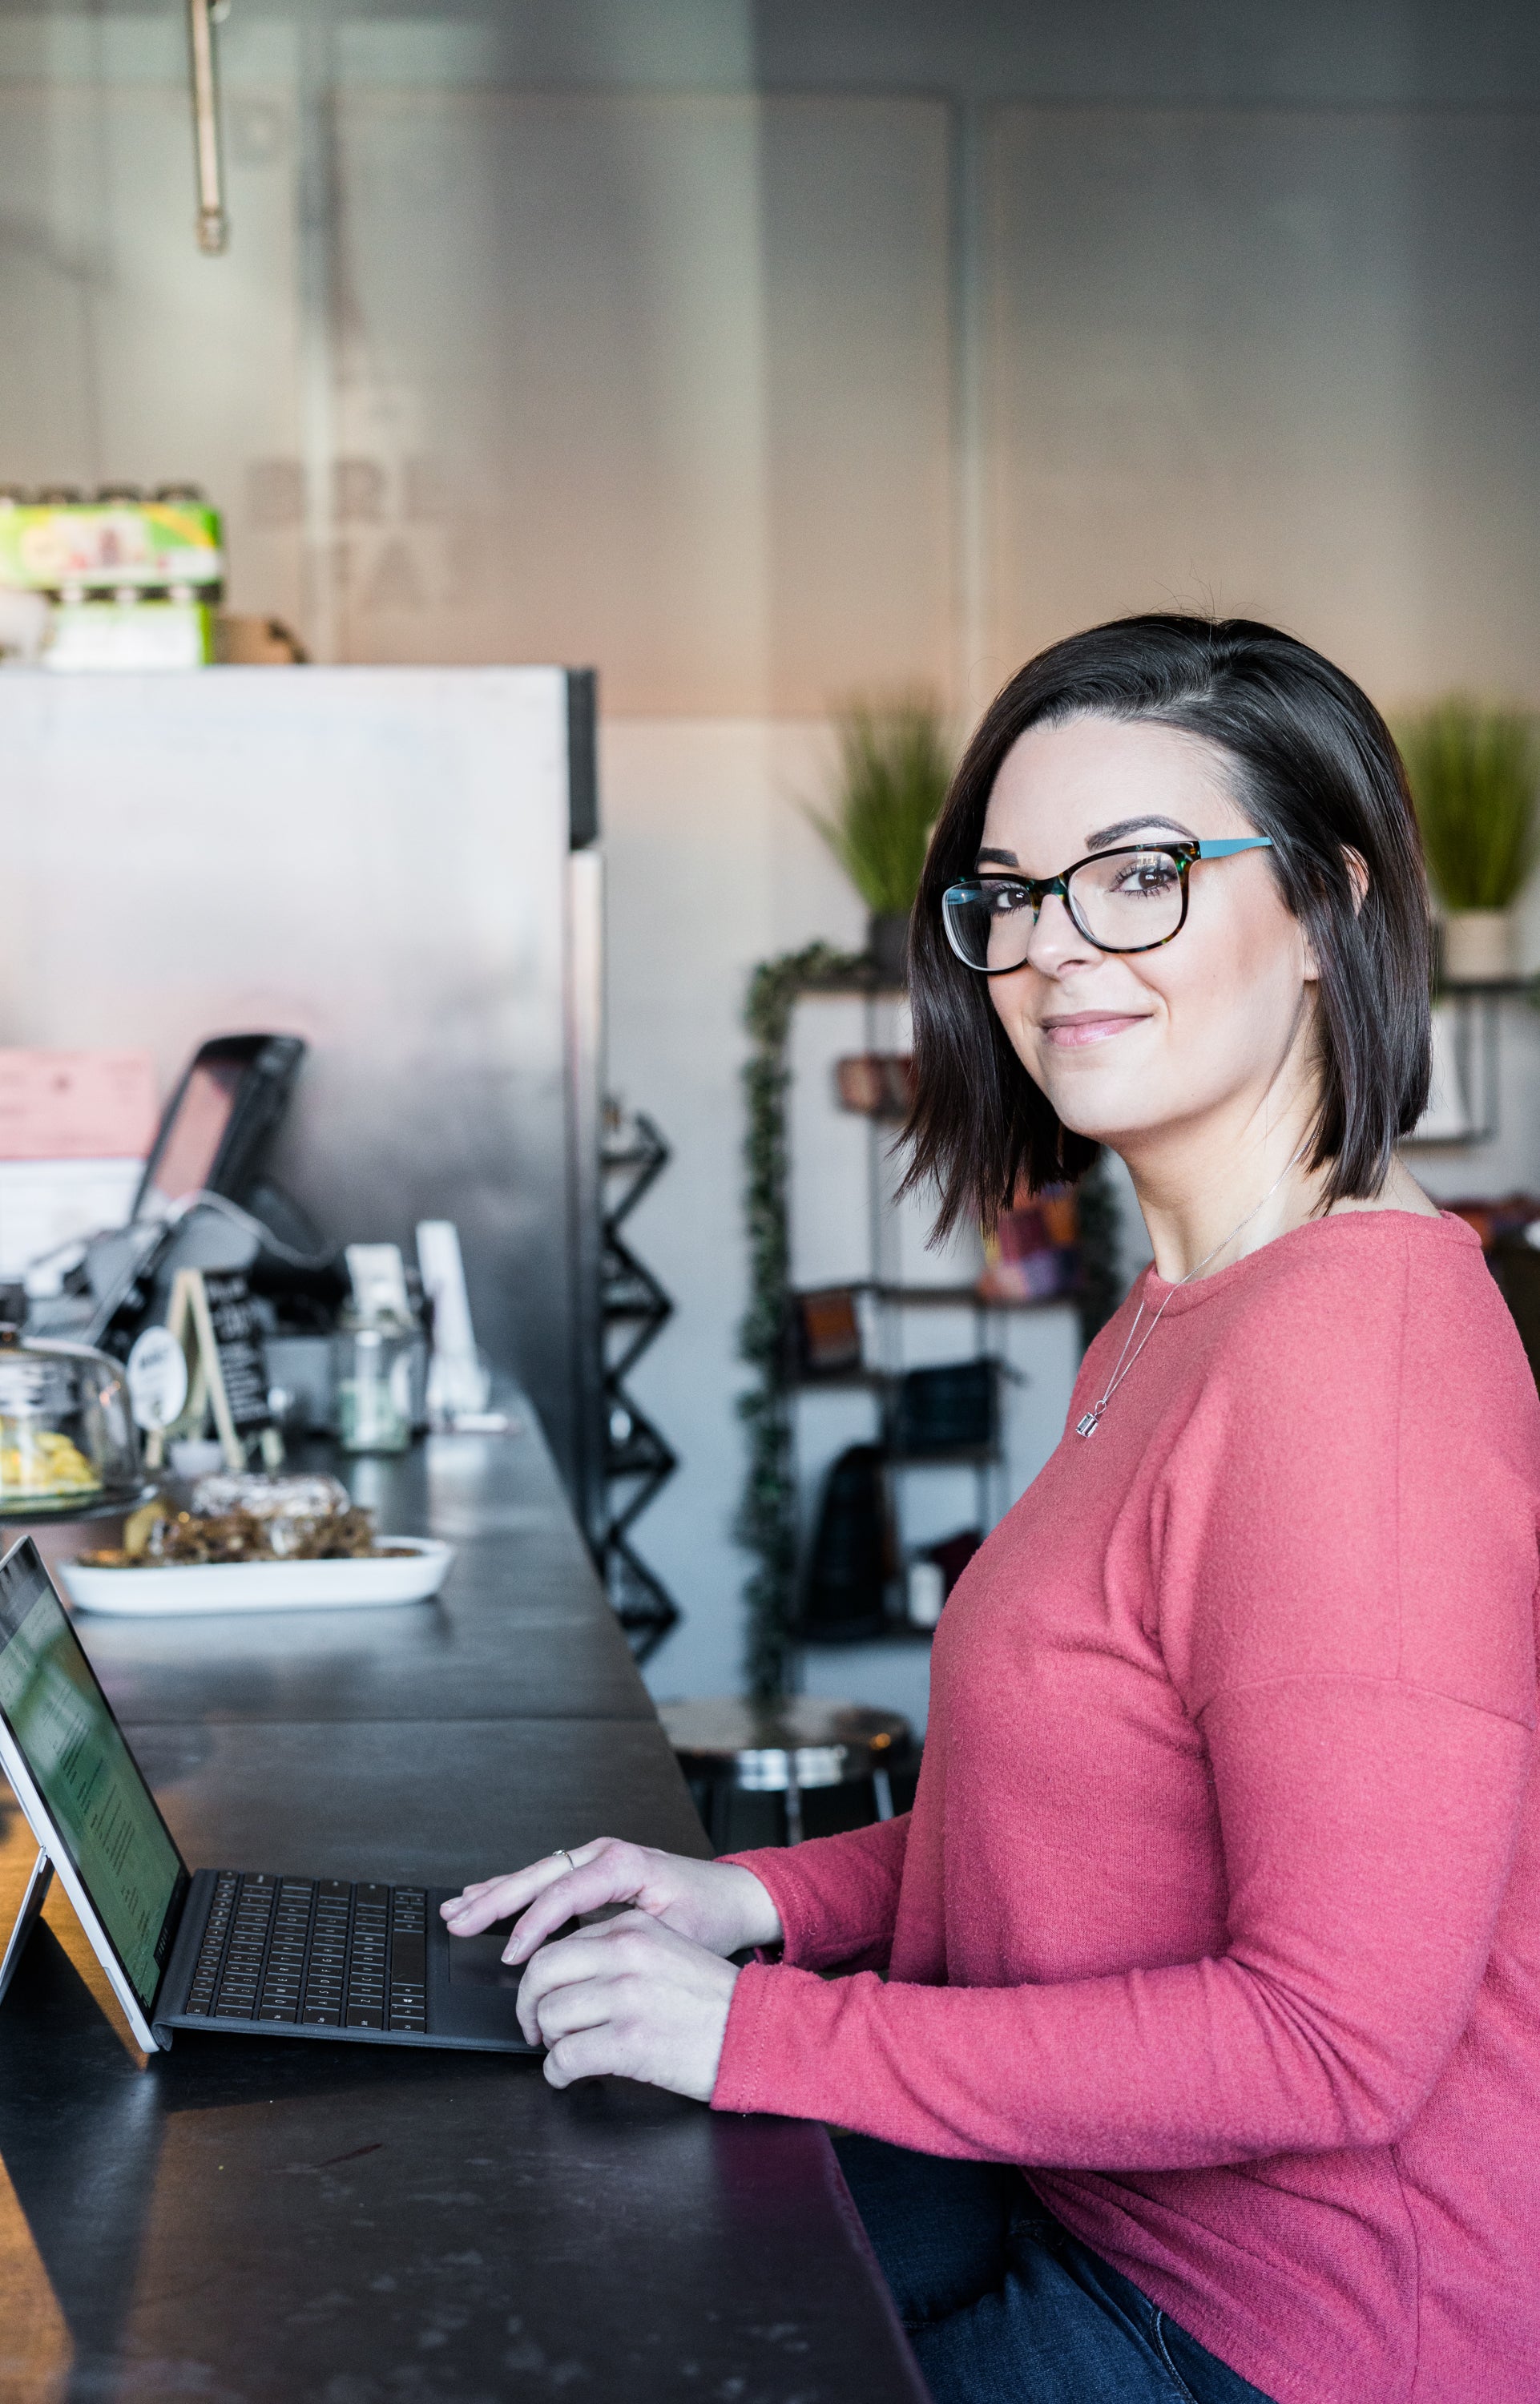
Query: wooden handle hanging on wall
point(213, 224)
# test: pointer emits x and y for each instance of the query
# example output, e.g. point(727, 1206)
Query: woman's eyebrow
point(1104, 835)
point(1098, 842)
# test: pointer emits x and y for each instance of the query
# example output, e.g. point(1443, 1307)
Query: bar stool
point(788, 1749)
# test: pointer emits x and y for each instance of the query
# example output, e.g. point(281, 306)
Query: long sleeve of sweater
point(837, 1896)
point(1370, 1831)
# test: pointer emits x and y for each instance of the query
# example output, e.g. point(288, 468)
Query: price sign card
point(213, 1325)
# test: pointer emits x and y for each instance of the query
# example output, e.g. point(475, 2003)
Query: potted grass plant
point(895, 763)
point(1472, 772)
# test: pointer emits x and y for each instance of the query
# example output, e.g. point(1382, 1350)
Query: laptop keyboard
point(319, 1953)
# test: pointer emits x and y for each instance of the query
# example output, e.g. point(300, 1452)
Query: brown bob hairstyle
point(1312, 764)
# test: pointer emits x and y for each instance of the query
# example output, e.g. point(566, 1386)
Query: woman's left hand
point(632, 1999)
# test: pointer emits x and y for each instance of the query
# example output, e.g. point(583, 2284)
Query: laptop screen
point(103, 1814)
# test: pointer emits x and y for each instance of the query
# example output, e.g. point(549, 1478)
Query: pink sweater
point(1219, 1906)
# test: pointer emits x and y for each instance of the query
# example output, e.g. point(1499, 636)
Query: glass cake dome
point(68, 1444)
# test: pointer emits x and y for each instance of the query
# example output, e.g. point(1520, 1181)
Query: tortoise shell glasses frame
point(973, 908)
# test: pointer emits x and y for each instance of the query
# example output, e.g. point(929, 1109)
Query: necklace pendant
point(1087, 1426)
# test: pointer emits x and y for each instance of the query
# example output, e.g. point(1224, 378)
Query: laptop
point(243, 1952)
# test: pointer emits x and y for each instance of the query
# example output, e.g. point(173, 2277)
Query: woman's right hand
point(719, 1905)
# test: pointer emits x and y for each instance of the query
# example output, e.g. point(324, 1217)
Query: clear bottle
point(372, 1383)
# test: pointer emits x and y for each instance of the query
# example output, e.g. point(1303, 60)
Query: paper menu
point(59, 1105)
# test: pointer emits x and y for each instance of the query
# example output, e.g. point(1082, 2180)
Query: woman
point(1212, 1942)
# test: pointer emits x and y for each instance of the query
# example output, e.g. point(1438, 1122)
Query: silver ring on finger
point(561, 1853)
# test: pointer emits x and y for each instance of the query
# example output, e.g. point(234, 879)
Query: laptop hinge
point(172, 1994)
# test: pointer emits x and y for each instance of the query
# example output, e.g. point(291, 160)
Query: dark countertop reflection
point(245, 2222)
point(432, 1802)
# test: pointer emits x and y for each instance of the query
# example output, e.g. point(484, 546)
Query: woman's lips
point(1090, 1026)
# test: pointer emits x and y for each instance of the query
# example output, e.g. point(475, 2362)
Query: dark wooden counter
point(520, 1632)
point(294, 2223)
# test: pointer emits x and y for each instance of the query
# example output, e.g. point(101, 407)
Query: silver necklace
point(1088, 1425)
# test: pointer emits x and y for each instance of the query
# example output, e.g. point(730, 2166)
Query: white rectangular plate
point(263, 1586)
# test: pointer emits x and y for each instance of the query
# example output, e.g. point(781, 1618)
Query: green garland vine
point(767, 1516)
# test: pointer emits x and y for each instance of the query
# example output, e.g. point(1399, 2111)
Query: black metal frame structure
point(638, 1460)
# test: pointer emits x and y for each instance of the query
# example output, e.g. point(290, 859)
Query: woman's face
point(1129, 1045)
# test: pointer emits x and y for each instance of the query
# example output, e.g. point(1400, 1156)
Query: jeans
point(1003, 2306)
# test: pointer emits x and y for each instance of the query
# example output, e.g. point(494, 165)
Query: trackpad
point(477, 1961)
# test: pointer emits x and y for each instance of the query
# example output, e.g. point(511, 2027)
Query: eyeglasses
point(1132, 900)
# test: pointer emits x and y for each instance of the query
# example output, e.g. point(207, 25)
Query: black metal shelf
point(641, 1452)
point(948, 1297)
point(636, 1456)
point(627, 1290)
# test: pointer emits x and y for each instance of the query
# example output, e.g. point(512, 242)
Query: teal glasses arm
point(1227, 848)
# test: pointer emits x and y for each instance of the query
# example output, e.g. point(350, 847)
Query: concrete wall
point(759, 354)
